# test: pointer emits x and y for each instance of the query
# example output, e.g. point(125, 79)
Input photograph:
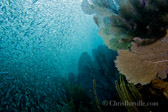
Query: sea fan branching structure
point(137, 29)
point(146, 19)
point(144, 63)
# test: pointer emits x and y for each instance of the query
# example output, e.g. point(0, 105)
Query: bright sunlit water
point(44, 36)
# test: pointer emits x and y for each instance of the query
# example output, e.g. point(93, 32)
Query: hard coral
point(144, 63)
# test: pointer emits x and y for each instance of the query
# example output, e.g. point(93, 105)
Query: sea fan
point(147, 19)
point(142, 64)
point(138, 18)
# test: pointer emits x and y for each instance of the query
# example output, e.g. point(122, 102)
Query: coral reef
point(97, 75)
point(135, 18)
point(100, 67)
point(147, 20)
point(142, 64)
point(45, 92)
point(30, 76)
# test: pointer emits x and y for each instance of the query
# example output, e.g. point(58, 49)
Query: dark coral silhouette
point(100, 67)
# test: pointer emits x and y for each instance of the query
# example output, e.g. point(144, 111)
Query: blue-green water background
point(44, 36)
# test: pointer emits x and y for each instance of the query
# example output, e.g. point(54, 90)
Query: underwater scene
point(83, 55)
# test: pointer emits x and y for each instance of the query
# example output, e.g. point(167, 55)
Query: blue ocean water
point(44, 36)
point(52, 59)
